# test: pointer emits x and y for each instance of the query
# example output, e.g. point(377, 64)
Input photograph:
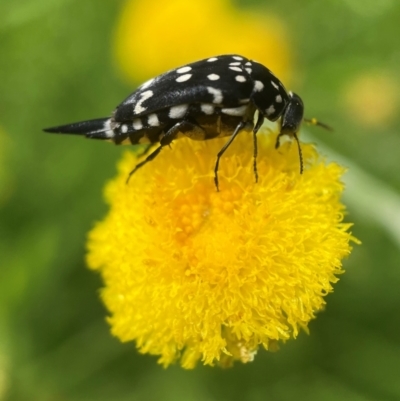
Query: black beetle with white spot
point(210, 98)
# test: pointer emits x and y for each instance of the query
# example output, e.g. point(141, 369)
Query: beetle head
point(292, 116)
point(291, 121)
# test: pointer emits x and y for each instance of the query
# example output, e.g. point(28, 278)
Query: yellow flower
point(194, 274)
point(153, 36)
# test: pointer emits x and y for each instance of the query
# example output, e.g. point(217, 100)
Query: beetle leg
point(149, 158)
point(294, 135)
point(145, 150)
point(238, 128)
point(167, 139)
point(278, 141)
point(259, 123)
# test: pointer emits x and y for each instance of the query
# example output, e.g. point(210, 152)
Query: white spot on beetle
point(270, 110)
point(213, 77)
point(143, 96)
point(178, 111)
point(235, 111)
point(183, 78)
point(137, 124)
point(249, 70)
point(207, 108)
point(152, 120)
point(248, 63)
point(240, 78)
point(183, 69)
point(276, 86)
point(217, 93)
point(244, 101)
point(235, 69)
point(124, 128)
point(235, 63)
point(109, 133)
point(278, 99)
point(212, 59)
point(237, 58)
point(258, 86)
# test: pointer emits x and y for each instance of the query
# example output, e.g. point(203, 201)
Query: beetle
point(210, 98)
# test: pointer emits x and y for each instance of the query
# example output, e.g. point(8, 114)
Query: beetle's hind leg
point(145, 150)
point(182, 126)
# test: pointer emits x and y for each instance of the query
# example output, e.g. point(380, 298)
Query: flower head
point(194, 274)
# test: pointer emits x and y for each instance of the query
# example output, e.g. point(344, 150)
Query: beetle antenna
point(314, 121)
point(300, 153)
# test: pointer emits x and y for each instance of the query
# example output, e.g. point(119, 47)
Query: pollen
point(194, 275)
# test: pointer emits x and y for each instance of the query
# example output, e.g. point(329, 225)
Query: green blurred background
point(57, 66)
